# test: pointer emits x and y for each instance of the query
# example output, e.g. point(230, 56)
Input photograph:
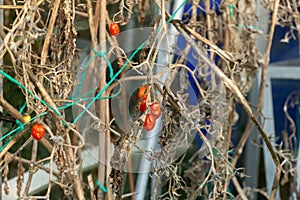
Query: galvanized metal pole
point(145, 165)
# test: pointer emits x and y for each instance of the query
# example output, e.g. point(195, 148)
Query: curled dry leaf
point(5, 180)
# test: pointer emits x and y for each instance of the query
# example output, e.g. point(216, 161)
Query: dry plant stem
point(212, 168)
point(28, 162)
point(91, 20)
point(242, 142)
point(199, 132)
point(193, 21)
point(208, 21)
point(114, 42)
point(250, 125)
point(262, 192)
point(239, 189)
point(102, 107)
point(13, 141)
point(227, 30)
point(266, 60)
point(46, 97)
point(49, 32)
point(91, 24)
point(120, 63)
point(91, 186)
point(210, 35)
point(228, 143)
point(124, 106)
point(236, 92)
point(42, 90)
point(223, 54)
point(192, 73)
point(109, 195)
point(97, 17)
point(8, 37)
point(13, 7)
point(94, 42)
point(2, 33)
point(11, 110)
point(51, 172)
point(77, 182)
point(15, 153)
point(46, 144)
point(129, 195)
point(81, 14)
point(33, 159)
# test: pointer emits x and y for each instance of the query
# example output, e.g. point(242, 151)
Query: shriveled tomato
point(142, 91)
point(114, 29)
point(149, 122)
point(38, 131)
point(155, 110)
point(143, 105)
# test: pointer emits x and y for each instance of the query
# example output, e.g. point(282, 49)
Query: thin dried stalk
point(11, 110)
point(31, 167)
point(44, 53)
point(239, 189)
point(13, 7)
point(92, 25)
point(28, 162)
point(250, 125)
point(103, 106)
point(91, 186)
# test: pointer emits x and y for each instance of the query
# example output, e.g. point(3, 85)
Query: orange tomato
point(143, 105)
point(114, 29)
point(149, 123)
point(38, 131)
point(142, 91)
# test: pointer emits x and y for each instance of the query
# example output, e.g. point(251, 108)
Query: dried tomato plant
point(219, 59)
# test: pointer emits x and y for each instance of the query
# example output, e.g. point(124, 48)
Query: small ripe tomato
point(143, 105)
point(155, 110)
point(149, 123)
point(27, 118)
point(142, 91)
point(114, 29)
point(38, 131)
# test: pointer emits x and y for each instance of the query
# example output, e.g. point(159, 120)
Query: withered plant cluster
point(40, 56)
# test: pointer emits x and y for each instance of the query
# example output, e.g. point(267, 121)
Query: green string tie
point(101, 187)
point(231, 11)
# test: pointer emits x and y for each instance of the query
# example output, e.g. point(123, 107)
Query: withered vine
point(40, 55)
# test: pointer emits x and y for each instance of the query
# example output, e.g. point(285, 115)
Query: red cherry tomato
point(142, 91)
point(155, 110)
point(143, 105)
point(37, 131)
point(114, 29)
point(149, 123)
